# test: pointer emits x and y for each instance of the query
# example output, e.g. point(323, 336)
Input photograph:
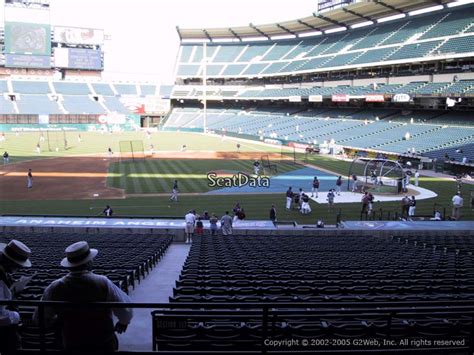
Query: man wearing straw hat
point(86, 329)
point(13, 255)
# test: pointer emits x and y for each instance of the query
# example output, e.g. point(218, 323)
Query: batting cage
point(56, 141)
point(131, 150)
point(376, 175)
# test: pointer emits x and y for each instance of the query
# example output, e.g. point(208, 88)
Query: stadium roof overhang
point(369, 10)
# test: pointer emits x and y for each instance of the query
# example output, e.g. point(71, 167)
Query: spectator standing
point(458, 203)
point(412, 207)
point(405, 206)
point(108, 212)
point(289, 198)
point(13, 256)
point(226, 224)
point(273, 214)
point(83, 329)
point(189, 220)
point(330, 199)
point(213, 224)
point(338, 185)
point(205, 216)
point(315, 187)
point(199, 227)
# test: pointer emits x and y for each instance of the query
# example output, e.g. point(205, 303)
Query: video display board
point(74, 35)
point(27, 38)
point(78, 58)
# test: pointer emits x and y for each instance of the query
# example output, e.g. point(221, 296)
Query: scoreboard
point(78, 58)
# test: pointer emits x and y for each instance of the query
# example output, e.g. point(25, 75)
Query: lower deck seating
point(124, 258)
point(319, 288)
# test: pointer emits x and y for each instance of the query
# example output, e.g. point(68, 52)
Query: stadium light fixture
point(195, 40)
point(282, 37)
point(459, 3)
point(225, 40)
point(310, 34)
point(254, 39)
point(362, 24)
point(337, 29)
point(390, 18)
point(426, 10)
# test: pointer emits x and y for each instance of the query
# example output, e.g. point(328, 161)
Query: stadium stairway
point(157, 287)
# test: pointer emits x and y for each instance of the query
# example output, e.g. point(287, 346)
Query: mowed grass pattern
point(157, 175)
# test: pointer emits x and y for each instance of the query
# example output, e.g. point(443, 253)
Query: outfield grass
point(22, 147)
point(157, 175)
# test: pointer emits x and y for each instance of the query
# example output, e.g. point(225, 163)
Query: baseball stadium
point(304, 186)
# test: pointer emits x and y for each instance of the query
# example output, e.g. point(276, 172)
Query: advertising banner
point(374, 98)
point(74, 35)
point(315, 98)
point(340, 98)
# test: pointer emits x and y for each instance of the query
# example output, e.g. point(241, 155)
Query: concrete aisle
point(156, 287)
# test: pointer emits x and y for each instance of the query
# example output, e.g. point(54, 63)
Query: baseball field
point(80, 177)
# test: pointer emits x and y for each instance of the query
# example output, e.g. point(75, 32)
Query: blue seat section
point(212, 69)
point(30, 87)
point(457, 45)
point(113, 104)
point(188, 69)
point(37, 104)
point(401, 40)
point(198, 54)
point(3, 86)
point(148, 89)
point(186, 53)
point(103, 89)
point(81, 104)
point(126, 89)
point(71, 88)
point(254, 52)
point(349, 127)
point(455, 153)
point(415, 50)
point(233, 69)
point(254, 68)
point(414, 26)
point(166, 90)
point(459, 87)
point(228, 53)
point(452, 24)
point(6, 106)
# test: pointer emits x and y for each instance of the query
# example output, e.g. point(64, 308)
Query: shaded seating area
point(124, 258)
point(330, 290)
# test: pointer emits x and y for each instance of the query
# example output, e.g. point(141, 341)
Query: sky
point(144, 42)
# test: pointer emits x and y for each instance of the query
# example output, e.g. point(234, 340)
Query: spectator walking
point(13, 256)
point(189, 219)
point(226, 224)
point(273, 214)
point(213, 224)
point(289, 198)
point(86, 329)
point(458, 203)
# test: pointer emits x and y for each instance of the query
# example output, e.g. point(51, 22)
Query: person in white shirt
point(417, 177)
point(464, 160)
point(190, 220)
point(457, 205)
point(85, 329)
point(13, 255)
